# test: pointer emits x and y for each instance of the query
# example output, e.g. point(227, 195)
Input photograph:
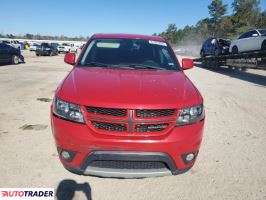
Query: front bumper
point(90, 146)
point(129, 157)
point(62, 50)
point(44, 52)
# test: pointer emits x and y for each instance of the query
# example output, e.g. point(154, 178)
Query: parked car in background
point(75, 48)
point(34, 46)
point(81, 46)
point(253, 40)
point(151, 124)
point(64, 48)
point(10, 54)
point(215, 46)
point(13, 43)
point(49, 49)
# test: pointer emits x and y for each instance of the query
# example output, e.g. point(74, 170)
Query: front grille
point(130, 122)
point(154, 113)
point(109, 126)
point(150, 127)
point(107, 111)
point(117, 164)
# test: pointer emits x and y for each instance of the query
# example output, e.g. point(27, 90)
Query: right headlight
point(68, 111)
point(190, 115)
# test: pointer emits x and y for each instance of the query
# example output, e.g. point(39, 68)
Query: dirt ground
point(231, 163)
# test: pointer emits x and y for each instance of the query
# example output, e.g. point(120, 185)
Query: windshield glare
point(129, 52)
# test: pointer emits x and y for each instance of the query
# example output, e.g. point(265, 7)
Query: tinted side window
point(248, 34)
point(245, 35)
point(3, 46)
point(252, 32)
point(207, 42)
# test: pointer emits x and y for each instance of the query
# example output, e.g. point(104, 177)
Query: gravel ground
point(231, 163)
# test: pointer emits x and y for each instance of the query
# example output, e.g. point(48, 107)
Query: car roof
point(128, 36)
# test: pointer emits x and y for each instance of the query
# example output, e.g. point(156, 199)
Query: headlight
point(68, 111)
point(190, 115)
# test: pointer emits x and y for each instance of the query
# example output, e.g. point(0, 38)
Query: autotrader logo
point(27, 193)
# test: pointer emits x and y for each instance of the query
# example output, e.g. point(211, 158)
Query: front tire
point(263, 46)
point(216, 52)
point(15, 59)
point(202, 54)
point(235, 50)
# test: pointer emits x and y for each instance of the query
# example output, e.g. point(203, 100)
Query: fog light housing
point(189, 157)
point(66, 155)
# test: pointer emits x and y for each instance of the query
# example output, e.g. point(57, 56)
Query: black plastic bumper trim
point(126, 156)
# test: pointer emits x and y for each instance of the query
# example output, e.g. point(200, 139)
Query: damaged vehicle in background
point(10, 54)
point(253, 40)
point(127, 109)
point(215, 47)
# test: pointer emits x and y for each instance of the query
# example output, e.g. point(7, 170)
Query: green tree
point(262, 20)
point(171, 33)
point(217, 10)
point(246, 15)
point(29, 36)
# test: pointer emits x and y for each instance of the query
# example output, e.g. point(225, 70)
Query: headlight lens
point(68, 111)
point(190, 115)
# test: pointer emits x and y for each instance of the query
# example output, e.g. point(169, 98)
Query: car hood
point(118, 88)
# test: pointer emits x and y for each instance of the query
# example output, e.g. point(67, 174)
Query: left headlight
point(68, 111)
point(190, 115)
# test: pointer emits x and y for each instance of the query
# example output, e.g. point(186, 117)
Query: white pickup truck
point(66, 48)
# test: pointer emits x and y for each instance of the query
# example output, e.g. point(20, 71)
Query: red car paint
point(130, 90)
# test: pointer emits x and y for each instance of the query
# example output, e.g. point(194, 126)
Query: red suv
point(127, 109)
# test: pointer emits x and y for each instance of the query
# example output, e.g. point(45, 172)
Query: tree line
point(246, 15)
point(43, 37)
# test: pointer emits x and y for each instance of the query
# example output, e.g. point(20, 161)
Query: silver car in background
point(253, 40)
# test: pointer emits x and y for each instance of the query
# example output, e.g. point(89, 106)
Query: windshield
point(262, 31)
point(45, 45)
point(131, 53)
point(6, 42)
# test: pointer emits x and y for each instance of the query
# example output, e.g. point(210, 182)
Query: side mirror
point(187, 63)
point(255, 35)
point(70, 58)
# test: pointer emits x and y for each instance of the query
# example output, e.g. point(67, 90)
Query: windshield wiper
point(95, 64)
point(141, 66)
point(130, 66)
